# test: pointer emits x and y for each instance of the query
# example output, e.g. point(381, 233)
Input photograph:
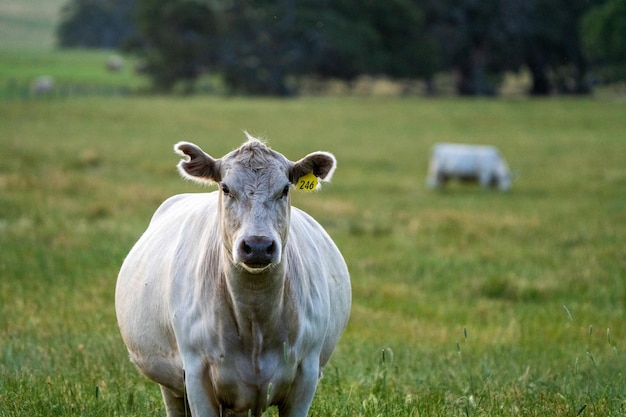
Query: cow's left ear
point(320, 164)
point(198, 165)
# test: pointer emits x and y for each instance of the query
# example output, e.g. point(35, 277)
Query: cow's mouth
point(256, 268)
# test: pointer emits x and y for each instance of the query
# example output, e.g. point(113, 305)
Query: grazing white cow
point(42, 85)
point(477, 163)
point(115, 63)
point(234, 300)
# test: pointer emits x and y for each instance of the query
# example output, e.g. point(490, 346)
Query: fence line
point(20, 91)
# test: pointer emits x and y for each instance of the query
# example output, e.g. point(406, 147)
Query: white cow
point(478, 163)
point(42, 85)
point(234, 300)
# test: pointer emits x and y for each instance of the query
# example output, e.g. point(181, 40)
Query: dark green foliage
point(483, 39)
point(266, 47)
point(177, 41)
point(372, 37)
point(604, 41)
point(96, 23)
point(267, 43)
point(264, 43)
point(552, 47)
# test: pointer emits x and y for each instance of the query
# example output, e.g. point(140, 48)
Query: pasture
point(28, 24)
point(467, 302)
point(27, 51)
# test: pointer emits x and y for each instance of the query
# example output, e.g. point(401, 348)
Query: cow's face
point(254, 206)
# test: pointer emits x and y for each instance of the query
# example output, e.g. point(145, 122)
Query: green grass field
point(467, 302)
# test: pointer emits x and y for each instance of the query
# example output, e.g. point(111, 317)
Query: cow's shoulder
point(309, 242)
point(304, 224)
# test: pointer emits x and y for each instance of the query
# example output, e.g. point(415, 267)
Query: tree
point(177, 41)
point(96, 23)
point(481, 39)
point(402, 49)
point(345, 41)
point(267, 45)
point(264, 43)
point(552, 46)
point(472, 40)
point(373, 37)
point(604, 38)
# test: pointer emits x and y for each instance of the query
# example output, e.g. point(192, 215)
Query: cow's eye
point(225, 189)
point(285, 191)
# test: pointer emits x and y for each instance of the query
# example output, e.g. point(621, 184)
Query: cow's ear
point(198, 165)
point(320, 164)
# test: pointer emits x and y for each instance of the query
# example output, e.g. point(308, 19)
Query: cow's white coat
point(219, 336)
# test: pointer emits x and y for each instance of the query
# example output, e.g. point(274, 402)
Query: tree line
point(266, 46)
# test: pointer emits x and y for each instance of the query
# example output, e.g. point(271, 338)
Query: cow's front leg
point(175, 405)
point(200, 396)
point(302, 391)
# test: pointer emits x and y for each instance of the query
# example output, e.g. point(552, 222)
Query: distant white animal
point(478, 163)
point(42, 85)
point(234, 300)
point(115, 63)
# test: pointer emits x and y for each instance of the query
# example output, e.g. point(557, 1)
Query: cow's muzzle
point(257, 253)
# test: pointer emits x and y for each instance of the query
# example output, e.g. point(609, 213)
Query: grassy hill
point(28, 51)
point(29, 24)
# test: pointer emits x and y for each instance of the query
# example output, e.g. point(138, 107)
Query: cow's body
point(477, 163)
point(233, 336)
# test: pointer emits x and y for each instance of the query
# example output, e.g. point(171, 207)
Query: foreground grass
point(466, 302)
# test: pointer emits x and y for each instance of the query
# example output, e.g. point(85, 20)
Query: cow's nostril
point(270, 249)
point(257, 251)
point(246, 248)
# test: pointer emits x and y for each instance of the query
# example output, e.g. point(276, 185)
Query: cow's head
point(254, 206)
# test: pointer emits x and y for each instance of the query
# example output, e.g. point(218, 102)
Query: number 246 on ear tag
point(307, 182)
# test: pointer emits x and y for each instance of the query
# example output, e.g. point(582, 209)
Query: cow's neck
point(257, 301)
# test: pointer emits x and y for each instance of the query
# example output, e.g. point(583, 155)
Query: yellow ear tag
point(307, 182)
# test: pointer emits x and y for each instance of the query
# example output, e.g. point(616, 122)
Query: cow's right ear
point(198, 165)
point(320, 164)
